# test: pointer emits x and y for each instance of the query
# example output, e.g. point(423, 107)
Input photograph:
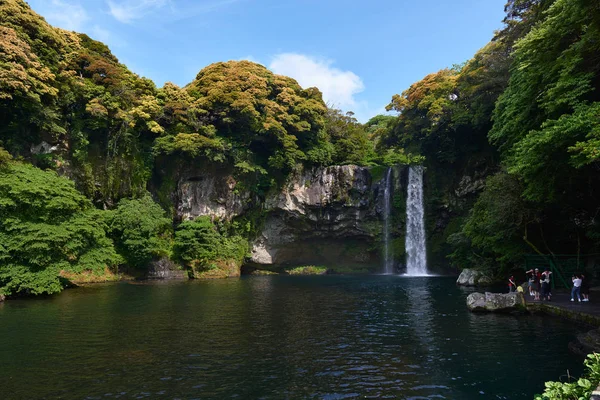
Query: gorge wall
point(321, 216)
point(332, 216)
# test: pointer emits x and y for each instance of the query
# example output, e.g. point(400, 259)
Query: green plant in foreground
point(47, 228)
point(199, 243)
point(577, 390)
point(308, 270)
point(140, 230)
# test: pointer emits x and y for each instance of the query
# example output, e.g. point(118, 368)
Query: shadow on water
point(329, 337)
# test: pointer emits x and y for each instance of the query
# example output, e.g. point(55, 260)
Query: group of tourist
point(539, 285)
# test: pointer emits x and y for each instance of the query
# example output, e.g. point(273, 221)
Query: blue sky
point(359, 53)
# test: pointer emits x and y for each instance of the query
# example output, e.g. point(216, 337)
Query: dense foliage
point(140, 230)
point(198, 244)
point(517, 126)
point(47, 227)
point(525, 109)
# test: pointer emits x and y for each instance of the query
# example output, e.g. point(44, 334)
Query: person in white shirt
point(576, 288)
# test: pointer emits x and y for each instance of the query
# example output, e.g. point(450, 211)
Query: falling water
point(416, 259)
point(388, 262)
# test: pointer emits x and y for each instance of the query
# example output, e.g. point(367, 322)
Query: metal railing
point(563, 266)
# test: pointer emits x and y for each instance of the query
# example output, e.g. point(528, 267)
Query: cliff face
point(212, 193)
point(322, 216)
point(334, 216)
point(325, 215)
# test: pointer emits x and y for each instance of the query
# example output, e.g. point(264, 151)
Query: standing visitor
point(576, 288)
point(585, 287)
point(534, 283)
point(530, 282)
point(511, 284)
point(545, 280)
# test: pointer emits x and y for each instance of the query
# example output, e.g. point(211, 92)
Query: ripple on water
point(275, 337)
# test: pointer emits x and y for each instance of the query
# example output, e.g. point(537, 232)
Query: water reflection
point(274, 337)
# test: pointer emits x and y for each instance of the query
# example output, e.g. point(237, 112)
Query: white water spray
point(416, 257)
point(388, 261)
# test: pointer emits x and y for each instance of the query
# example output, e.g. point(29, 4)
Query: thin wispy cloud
point(69, 15)
point(127, 11)
point(339, 87)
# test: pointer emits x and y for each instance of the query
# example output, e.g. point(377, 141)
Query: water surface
point(276, 337)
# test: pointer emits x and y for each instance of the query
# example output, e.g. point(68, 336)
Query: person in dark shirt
point(535, 286)
point(545, 279)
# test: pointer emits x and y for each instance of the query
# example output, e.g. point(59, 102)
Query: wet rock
point(165, 269)
point(43, 148)
point(586, 343)
point(473, 277)
point(496, 302)
point(213, 193)
point(469, 185)
point(321, 216)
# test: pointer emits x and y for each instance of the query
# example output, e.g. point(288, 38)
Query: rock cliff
point(210, 192)
point(323, 215)
point(320, 216)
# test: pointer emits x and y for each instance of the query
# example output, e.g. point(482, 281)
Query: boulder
point(496, 302)
point(473, 277)
point(164, 268)
point(2, 298)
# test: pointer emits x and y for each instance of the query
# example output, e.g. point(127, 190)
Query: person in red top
point(512, 286)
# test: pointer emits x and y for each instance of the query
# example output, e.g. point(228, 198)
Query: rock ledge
point(496, 302)
point(473, 277)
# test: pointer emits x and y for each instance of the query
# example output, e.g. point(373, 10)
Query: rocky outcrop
point(470, 185)
point(43, 148)
point(322, 216)
point(496, 302)
point(472, 277)
point(586, 343)
point(164, 268)
point(212, 192)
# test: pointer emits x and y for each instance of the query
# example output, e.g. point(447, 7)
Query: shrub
point(140, 230)
point(198, 243)
point(580, 389)
point(47, 226)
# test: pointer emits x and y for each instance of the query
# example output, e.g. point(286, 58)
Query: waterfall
point(388, 262)
point(416, 258)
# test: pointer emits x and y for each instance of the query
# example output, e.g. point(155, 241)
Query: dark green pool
point(326, 337)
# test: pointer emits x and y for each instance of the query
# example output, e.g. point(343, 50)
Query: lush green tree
point(546, 121)
point(349, 139)
point(494, 235)
point(271, 115)
point(47, 227)
point(198, 243)
point(140, 230)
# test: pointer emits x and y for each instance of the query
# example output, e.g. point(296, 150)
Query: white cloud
point(338, 87)
point(100, 34)
point(127, 11)
point(249, 58)
point(68, 15)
